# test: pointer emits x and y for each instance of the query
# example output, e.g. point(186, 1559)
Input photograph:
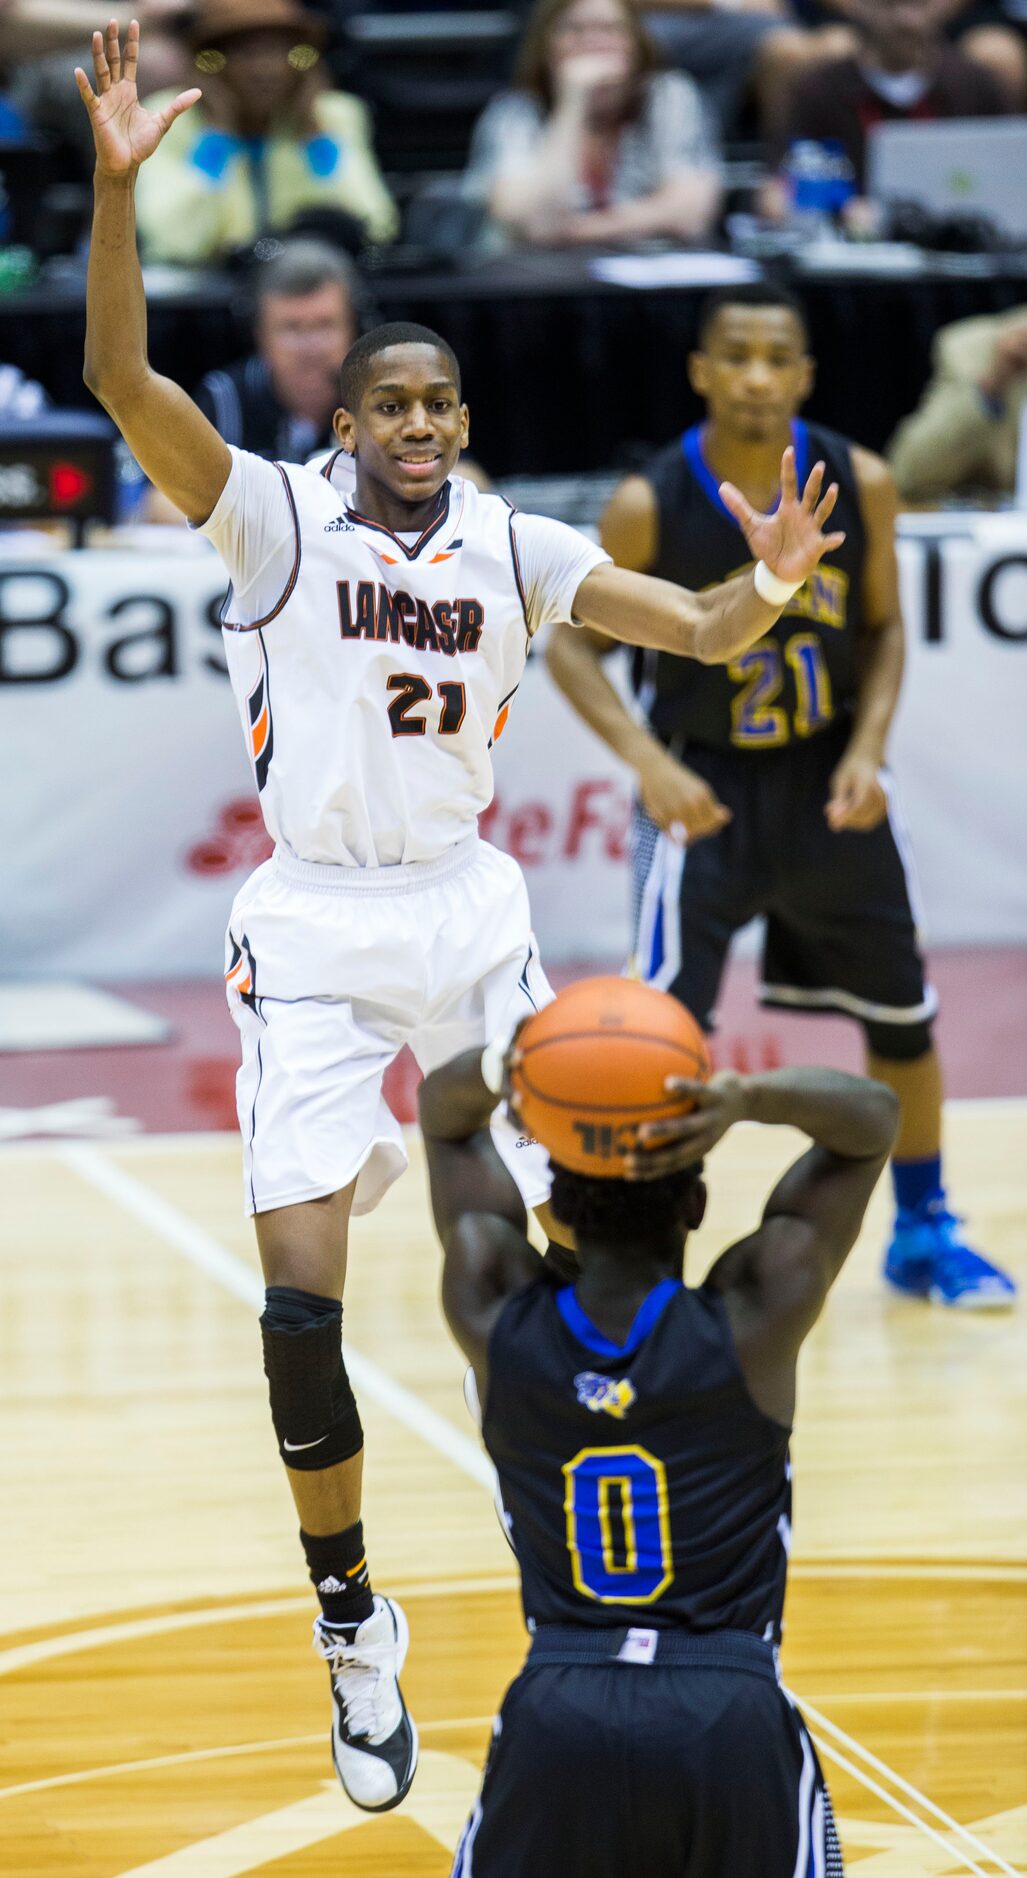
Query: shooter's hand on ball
point(668, 1147)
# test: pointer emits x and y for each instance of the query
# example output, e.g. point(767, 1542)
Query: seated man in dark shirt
point(903, 69)
point(280, 401)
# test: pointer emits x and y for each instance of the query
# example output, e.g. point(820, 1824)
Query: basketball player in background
point(374, 649)
point(762, 786)
point(640, 1432)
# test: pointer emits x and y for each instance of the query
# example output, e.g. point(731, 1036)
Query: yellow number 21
point(757, 723)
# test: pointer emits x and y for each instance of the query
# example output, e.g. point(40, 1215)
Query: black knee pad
point(899, 1043)
point(312, 1406)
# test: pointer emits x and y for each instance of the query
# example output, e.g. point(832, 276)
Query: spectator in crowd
point(29, 29)
point(995, 35)
point(36, 37)
point(964, 436)
point(991, 32)
point(757, 47)
point(901, 69)
point(595, 145)
point(279, 402)
point(267, 140)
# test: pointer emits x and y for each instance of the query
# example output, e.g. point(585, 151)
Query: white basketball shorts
point(330, 970)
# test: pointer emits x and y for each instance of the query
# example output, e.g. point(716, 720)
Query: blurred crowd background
point(552, 184)
point(555, 186)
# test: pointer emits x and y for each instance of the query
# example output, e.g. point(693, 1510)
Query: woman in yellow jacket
point(266, 140)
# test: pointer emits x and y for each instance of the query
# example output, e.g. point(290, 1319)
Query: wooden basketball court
point(161, 1712)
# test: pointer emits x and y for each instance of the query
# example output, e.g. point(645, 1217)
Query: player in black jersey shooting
point(640, 1433)
point(762, 784)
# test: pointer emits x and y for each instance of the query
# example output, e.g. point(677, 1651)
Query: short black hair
point(356, 366)
point(627, 1210)
point(756, 293)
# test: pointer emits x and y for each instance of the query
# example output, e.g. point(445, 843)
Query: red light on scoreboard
point(69, 484)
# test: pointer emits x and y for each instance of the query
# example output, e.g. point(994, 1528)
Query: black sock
point(338, 1571)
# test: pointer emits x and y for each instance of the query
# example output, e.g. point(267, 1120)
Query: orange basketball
point(594, 1064)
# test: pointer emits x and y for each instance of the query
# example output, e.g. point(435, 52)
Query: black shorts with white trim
point(840, 909)
point(662, 1763)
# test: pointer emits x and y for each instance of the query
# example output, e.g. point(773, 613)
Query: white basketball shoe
point(374, 1740)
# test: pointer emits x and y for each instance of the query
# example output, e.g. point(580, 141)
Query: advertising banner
point(129, 817)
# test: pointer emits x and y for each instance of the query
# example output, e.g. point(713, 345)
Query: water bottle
point(821, 181)
point(843, 175)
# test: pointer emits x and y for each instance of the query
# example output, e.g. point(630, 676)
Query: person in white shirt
point(374, 647)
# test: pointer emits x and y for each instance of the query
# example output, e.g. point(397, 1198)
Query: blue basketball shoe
point(928, 1258)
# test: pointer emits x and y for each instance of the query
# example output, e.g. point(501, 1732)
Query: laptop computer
point(957, 166)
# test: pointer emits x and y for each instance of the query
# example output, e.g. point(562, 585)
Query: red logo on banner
point(68, 484)
point(239, 840)
point(594, 820)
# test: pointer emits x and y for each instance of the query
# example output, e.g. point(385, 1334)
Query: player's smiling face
point(410, 426)
point(753, 371)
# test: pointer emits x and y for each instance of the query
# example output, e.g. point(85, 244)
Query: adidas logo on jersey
point(340, 526)
point(607, 1394)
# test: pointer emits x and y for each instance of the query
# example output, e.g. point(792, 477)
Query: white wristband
point(493, 1058)
point(770, 588)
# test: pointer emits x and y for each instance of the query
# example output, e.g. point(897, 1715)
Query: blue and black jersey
point(802, 674)
point(641, 1482)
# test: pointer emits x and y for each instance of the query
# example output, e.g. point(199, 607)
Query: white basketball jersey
point(372, 693)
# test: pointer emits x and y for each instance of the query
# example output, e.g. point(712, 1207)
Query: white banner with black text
point(129, 816)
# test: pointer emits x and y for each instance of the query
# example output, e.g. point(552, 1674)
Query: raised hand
point(791, 541)
point(123, 132)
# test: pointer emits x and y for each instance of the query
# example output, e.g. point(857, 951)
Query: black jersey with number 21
point(793, 683)
point(641, 1483)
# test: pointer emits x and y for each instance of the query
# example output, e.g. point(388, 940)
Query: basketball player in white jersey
point(374, 647)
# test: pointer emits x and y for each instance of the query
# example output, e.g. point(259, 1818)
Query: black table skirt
point(562, 374)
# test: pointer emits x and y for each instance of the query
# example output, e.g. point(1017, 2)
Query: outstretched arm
point(719, 624)
point(168, 435)
point(676, 798)
point(478, 1211)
